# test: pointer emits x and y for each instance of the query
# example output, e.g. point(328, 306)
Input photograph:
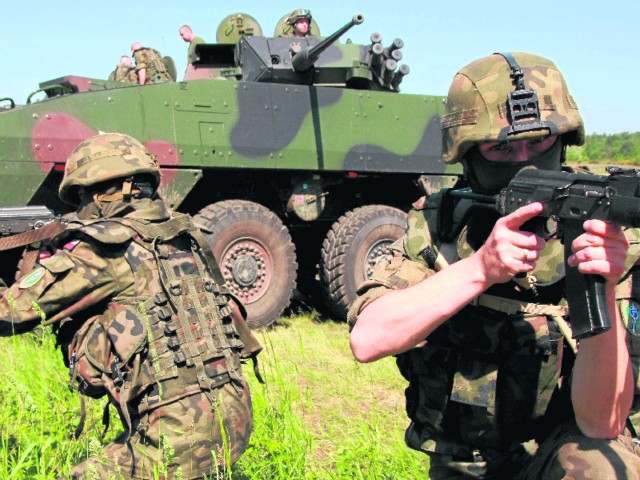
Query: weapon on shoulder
point(28, 226)
point(21, 226)
point(570, 199)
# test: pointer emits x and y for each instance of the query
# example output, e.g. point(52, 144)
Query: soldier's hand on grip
point(509, 250)
point(600, 250)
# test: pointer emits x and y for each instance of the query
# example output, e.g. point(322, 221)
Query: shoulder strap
point(164, 231)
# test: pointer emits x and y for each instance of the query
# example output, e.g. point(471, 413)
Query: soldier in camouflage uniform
point(139, 307)
point(473, 305)
point(150, 66)
point(300, 21)
point(124, 72)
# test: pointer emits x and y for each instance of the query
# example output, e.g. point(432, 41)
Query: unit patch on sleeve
point(630, 316)
point(32, 279)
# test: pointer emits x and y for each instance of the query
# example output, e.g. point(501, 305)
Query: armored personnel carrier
point(297, 155)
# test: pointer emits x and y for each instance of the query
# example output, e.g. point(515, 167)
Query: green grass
point(321, 415)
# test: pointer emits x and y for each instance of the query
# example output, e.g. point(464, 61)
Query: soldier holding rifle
point(476, 314)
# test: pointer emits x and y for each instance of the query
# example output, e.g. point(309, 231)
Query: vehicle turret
point(310, 60)
point(305, 59)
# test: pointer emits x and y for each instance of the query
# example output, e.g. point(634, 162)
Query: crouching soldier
point(138, 304)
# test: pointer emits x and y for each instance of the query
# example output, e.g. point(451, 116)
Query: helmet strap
point(523, 107)
point(88, 210)
point(127, 186)
point(125, 194)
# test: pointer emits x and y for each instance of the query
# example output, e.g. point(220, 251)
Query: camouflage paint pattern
point(252, 121)
point(246, 126)
point(476, 109)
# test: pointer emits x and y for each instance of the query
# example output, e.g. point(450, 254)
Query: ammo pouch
point(101, 354)
point(484, 377)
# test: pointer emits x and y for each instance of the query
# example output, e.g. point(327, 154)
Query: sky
point(595, 43)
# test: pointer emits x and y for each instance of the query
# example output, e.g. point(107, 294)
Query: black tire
point(352, 248)
point(256, 256)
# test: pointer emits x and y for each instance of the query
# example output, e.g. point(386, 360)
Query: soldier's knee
point(592, 458)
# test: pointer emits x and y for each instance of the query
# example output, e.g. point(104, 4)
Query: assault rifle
point(24, 226)
point(21, 219)
point(570, 199)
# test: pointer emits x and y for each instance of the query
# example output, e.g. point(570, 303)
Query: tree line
point(623, 148)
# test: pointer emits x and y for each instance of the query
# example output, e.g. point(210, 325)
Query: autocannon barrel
point(305, 59)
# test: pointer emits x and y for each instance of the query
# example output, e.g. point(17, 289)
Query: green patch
point(632, 314)
point(32, 279)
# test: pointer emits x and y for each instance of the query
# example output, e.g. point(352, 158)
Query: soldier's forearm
point(602, 383)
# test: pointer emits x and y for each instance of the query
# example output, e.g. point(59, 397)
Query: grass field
point(321, 415)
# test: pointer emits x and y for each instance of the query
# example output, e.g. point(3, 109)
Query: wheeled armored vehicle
point(299, 156)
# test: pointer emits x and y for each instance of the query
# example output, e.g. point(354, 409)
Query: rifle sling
point(32, 236)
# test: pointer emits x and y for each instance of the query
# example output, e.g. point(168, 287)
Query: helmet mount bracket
point(523, 108)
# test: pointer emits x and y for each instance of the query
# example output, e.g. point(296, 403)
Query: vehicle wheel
point(352, 249)
point(256, 256)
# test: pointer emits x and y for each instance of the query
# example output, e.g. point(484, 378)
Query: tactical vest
point(170, 337)
point(157, 70)
point(485, 377)
point(124, 74)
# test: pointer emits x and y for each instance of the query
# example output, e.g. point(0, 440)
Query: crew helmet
point(507, 97)
point(299, 14)
point(106, 157)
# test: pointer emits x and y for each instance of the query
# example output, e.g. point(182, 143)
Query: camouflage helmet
point(508, 97)
point(299, 14)
point(105, 157)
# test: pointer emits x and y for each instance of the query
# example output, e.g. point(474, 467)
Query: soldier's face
point(302, 25)
point(518, 151)
point(187, 35)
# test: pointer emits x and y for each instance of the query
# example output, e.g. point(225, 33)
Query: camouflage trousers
point(186, 439)
point(565, 454)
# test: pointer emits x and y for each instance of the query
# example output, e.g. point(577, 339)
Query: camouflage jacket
point(134, 302)
point(125, 74)
point(152, 61)
point(456, 404)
